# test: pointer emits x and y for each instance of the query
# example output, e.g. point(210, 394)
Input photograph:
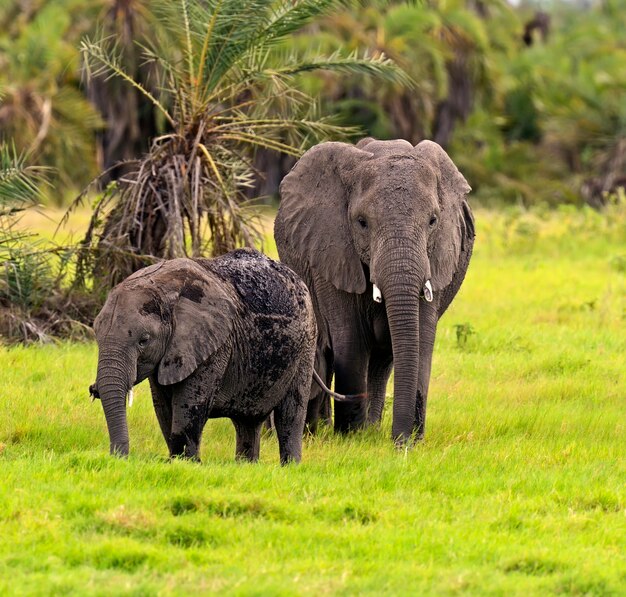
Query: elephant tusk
point(377, 295)
point(428, 291)
point(130, 397)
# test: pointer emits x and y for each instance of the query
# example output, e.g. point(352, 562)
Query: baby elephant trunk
point(112, 385)
point(114, 405)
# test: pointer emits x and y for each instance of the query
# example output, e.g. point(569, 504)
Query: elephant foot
point(289, 459)
point(194, 458)
point(347, 428)
point(404, 443)
point(349, 416)
point(181, 447)
point(248, 440)
point(186, 456)
point(120, 450)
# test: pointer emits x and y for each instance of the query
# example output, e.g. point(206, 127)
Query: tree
point(555, 131)
point(444, 47)
point(226, 87)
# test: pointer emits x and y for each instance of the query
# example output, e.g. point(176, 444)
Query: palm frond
point(103, 59)
point(290, 17)
point(20, 184)
point(379, 67)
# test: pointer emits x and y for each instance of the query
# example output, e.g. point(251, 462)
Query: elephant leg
point(190, 406)
point(428, 327)
point(248, 439)
point(162, 401)
point(378, 372)
point(290, 414)
point(351, 360)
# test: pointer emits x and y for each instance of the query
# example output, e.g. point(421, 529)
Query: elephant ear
point(313, 217)
point(456, 223)
point(202, 321)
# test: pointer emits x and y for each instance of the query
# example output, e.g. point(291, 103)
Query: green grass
point(518, 488)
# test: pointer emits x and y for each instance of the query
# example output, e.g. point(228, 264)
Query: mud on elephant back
point(228, 337)
point(382, 234)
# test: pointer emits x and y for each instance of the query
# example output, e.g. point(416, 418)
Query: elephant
point(382, 234)
point(229, 337)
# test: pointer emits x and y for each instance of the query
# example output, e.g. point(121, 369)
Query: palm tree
point(226, 88)
point(444, 47)
point(582, 90)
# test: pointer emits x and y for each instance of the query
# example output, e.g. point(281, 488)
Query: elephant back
point(265, 287)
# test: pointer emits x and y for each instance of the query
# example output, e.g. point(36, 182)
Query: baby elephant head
point(164, 320)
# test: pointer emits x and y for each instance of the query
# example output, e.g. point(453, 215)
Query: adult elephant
point(382, 234)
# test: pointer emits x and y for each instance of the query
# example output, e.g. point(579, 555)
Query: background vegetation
point(531, 123)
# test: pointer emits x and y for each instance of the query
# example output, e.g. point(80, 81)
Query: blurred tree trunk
point(458, 104)
point(271, 167)
point(129, 117)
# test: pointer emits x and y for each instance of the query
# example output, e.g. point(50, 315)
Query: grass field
point(518, 488)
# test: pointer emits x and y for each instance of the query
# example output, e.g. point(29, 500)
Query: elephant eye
point(433, 221)
point(362, 222)
point(144, 340)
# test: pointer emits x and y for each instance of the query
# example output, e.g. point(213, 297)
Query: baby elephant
point(228, 337)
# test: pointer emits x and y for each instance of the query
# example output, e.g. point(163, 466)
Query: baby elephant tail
point(93, 392)
point(339, 397)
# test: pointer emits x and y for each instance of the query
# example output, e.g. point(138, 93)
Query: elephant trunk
point(401, 280)
point(115, 378)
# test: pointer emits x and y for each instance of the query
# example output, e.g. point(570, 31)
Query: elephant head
point(165, 319)
point(383, 217)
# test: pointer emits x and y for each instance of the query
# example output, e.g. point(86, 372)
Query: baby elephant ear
point(146, 271)
point(456, 223)
point(203, 315)
point(312, 220)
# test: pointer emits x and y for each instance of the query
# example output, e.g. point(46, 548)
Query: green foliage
point(554, 129)
point(33, 304)
point(463, 332)
point(424, 39)
point(20, 187)
point(25, 276)
point(19, 183)
point(529, 125)
point(41, 106)
point(27, 279)
point(517, 489)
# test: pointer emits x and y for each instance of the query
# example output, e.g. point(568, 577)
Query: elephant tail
point(339, 397)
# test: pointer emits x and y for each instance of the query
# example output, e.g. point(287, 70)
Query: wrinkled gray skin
point(384, 213)
point(229, 337)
